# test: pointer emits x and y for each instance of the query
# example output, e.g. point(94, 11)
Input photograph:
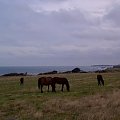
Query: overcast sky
point(59, 32)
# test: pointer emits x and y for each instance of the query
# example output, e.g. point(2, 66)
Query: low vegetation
point(85, 101)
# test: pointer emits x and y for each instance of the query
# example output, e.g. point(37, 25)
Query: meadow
point(85, 101)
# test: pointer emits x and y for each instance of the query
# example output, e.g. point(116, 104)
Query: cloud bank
point(65, 32)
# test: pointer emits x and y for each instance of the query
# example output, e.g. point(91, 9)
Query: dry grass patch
point(18, 110)
point(95, 107)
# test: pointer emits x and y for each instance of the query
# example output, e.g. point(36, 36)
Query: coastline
point(35, 70)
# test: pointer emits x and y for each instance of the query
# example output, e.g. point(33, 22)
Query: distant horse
point(44, 81)
point(58, 80)
point(21, 81)
point(100, 80)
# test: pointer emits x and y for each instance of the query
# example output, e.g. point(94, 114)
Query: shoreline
point(108, 70)
point(45, 69)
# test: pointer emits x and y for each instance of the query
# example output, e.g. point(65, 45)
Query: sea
point(34, 70)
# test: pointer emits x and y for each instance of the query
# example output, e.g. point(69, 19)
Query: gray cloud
point(113, 15)
point(64, 37)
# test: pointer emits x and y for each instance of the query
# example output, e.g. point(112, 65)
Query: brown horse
point(44, 81)
point(58, 80)
point(21, 81)
point(100, 80)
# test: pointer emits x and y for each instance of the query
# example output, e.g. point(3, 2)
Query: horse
point(21, 81)
point(58, 80)
point(100, 80)
point(45, 81)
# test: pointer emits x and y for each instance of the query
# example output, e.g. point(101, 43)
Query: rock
point(76, 70)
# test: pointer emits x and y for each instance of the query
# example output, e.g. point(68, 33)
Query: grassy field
point(85, 101)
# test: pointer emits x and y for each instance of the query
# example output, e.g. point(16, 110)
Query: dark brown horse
point(45, 81)
point(21, 81)
point(63, 81)
point(100, 80)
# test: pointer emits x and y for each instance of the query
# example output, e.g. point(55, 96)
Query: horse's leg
point(53, 88)
point(48, 88)
point(41, 88)
point(39, 84)
point(62, 87)
point(102, 81)
point(99, 82)
point(20, 82)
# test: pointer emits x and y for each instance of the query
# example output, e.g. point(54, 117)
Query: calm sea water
point(41, 69)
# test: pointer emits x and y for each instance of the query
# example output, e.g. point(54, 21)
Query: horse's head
point(67, 85)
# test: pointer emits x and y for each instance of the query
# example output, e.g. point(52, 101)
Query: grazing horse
point(100, 80)
point(44, 81)
point(21, 81)
point(58, 80)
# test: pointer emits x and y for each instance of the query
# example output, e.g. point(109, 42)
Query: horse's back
point(45, 80)
point(99, 77)
point(59, 80)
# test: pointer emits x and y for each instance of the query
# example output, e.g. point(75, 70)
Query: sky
point(59, 32)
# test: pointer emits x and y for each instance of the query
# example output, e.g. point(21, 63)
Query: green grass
point(85, 101)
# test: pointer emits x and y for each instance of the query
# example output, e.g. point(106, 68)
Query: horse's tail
point(67, 85)
point(39, 83)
